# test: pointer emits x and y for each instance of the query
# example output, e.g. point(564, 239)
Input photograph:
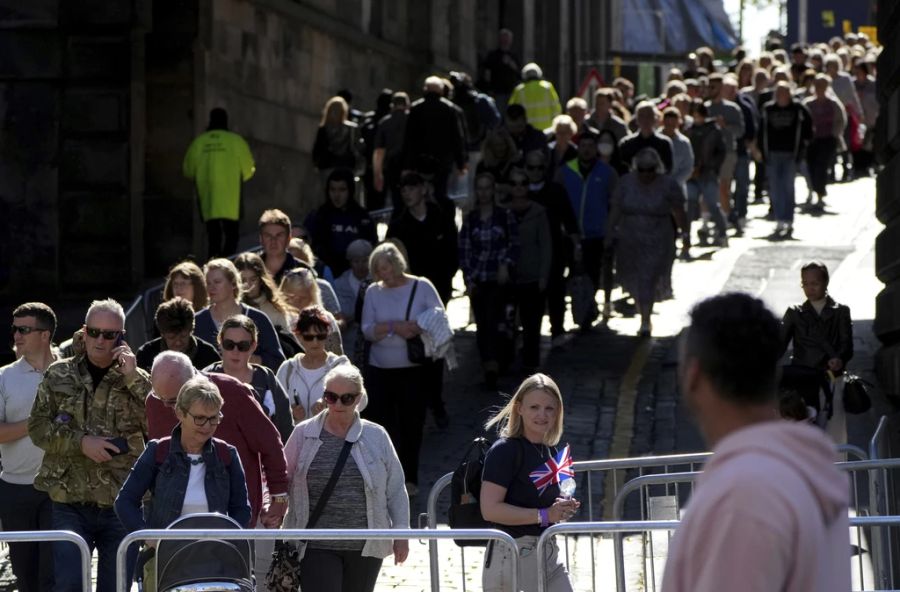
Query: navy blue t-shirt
point(508, 464)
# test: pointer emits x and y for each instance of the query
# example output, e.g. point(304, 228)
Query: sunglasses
point(519, 183)
point(346, 399)
point(202, 420)
point(646, 170)
point(316, 336)
point(243, 346)
point(535, 167)
point(97, 333)
point(24, 329)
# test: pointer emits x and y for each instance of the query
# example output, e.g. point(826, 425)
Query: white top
point(384, 305)
point(304, 386)
point(195, 495)
point(18, 387)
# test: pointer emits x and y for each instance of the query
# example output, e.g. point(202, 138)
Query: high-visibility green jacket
point(540, 101)
point(218, 161)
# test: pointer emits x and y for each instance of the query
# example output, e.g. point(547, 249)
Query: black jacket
point(709, 148)
point(634, 143)
point(332, 229)
point(785, 129)
point(435, 129)
point(818, 338)
point(431, 245)
point(201, 353)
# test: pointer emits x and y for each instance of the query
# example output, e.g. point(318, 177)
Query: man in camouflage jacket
point(89, 419)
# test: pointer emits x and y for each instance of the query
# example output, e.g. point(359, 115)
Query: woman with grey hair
point(188, 472)
point(643, 206)
point(392, 305)
point(345, 474)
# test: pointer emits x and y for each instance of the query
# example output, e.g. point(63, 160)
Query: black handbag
point(284, 574)
point(415, 347)
point(856, 394)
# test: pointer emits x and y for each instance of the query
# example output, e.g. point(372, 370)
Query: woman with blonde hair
point(367, 492)
point(261, 292)
point(392, 304)
point(530, 427)
point(301, 289)
point(224, 286)
point(337, 139)
point(186, 280)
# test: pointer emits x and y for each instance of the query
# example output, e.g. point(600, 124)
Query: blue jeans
point(101, 529)
point(707, 187)
point(781, 169)
point(741, 184)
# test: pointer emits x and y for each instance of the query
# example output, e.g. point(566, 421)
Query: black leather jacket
point(818, 338)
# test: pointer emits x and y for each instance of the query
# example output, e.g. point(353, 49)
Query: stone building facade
point(100, 98)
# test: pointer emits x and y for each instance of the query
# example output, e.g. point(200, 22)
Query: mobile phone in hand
point(120, 340)
point(120, 443)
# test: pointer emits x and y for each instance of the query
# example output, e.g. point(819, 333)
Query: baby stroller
point(211, 565)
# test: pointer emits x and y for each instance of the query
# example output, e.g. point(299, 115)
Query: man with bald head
point(244, 425)
point(435, 138)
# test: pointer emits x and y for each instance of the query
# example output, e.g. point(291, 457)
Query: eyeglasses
point(109, 335)
point(24, 329)
point(316, 336)
point(202, 420)
point(346, 399)
point(243, 346)
point(535, 167)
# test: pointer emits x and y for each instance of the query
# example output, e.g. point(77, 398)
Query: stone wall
point(887, 248)
point(274, 63)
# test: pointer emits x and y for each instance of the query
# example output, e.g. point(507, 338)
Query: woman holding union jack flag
point(520, 491)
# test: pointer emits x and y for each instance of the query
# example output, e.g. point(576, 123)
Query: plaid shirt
point(486, 244)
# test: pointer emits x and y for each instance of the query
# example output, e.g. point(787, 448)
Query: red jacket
point(246, 427)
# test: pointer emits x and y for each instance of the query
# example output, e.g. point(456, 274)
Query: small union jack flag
point(555, 470)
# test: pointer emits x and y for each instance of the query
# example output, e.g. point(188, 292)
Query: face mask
point(605, 149)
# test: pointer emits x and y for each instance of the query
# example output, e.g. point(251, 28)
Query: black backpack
point(465, 491)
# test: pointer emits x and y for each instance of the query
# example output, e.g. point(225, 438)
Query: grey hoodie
point(769, 513)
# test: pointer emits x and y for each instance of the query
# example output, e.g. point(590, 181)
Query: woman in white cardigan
point(369, 494)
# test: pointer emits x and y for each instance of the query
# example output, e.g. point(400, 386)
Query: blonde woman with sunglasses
point(303, 375)
point(238, 339)
point(368, 491)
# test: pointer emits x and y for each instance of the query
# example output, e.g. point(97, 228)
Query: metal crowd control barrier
point(619, 527)
point(42, 536)
point(304, 535)
point(611, 466)
point(882, 554)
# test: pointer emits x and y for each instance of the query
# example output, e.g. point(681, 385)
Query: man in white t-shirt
point(22, 507)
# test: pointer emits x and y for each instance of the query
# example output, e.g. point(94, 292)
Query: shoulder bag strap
point(412, 296)
point(329, 487)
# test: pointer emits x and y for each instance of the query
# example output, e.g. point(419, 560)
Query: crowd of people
point(321, 352)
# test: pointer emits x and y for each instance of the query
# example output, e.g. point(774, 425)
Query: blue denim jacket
point(226, 487)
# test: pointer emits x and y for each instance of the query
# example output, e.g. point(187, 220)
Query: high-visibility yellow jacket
point(540, 101)
point(218, 161)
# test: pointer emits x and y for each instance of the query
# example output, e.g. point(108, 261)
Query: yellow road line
point(620, 446)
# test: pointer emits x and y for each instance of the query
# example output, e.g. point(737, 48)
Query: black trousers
point(397, 401)
point(820, 158)
point(488, 304)
point(22, 507)
point(222, 236)
point(324, 570)
point(530, 304)
point(556, 297)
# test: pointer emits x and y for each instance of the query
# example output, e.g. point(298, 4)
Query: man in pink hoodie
point(769, 511)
